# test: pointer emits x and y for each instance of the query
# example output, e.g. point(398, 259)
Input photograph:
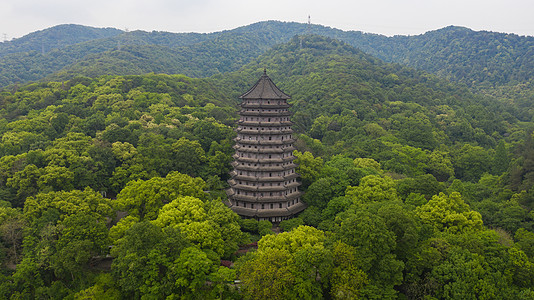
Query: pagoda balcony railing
point(263, 150)
point(263, 132)
point(276, 188)
point(266, 199)
point(263, 160)
point(264, 124)
point(250, 178)
point(263, 168)
point(263, 142)
point(265, 105)
point(244, 112)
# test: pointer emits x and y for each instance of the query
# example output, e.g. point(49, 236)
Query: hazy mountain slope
point(474, 58)
point(471, 57)
point(222, 53)
point(56, 37)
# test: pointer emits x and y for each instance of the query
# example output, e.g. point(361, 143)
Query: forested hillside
point(56, 37)
point(112, 187)
point(477, 59)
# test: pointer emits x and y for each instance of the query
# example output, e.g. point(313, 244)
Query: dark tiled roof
point(265, 89)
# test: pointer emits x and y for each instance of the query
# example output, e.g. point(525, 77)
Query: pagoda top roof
point(264, 89)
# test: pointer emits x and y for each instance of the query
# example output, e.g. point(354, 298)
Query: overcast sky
point(389, 17)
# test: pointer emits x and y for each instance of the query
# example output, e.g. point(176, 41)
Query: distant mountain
point(220, 53)
point(56, 37)
point(471, 57)
point(476, 58)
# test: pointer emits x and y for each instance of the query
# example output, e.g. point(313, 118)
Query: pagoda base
point(273, 215)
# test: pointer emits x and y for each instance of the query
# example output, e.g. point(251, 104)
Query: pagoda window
point(263, 206)
point(279, 205)
point(252, 205)
point(237, 203)
point(244, 204)
point(271, 194)
point(271, 206)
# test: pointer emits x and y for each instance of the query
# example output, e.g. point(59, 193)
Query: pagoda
point(263, 183)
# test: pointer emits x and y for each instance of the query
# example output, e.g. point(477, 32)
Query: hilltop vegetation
point(478, 59)
point(56, 37)
point(416, 187)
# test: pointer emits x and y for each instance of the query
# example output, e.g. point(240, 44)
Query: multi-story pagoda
point(264, 184)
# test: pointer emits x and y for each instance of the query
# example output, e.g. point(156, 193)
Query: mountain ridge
point(475, 58)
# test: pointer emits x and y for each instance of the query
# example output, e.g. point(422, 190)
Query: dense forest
point(478, 59)
point(417, 187)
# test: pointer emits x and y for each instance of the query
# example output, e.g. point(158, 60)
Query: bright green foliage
point(369, 235)
point(293, 241)
point(449, 213)
point(525, 241)
point(523, 268)
point(66, 231)
point(373, 188)
point(143, 199)
point(118, 230)
point(407, 160)
point(63, 204)
point(269, 275)
point(81, 238)
point(290, 264)
point(466, 275)
point(347, 280)
point(309, 167)
point(103, 289)
point(367, 163)
point(144, 260)
point(181, 212)
point(192, 269)
point(220, 280)
point(211, 226)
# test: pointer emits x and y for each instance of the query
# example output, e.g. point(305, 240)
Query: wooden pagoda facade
point(263, 183)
